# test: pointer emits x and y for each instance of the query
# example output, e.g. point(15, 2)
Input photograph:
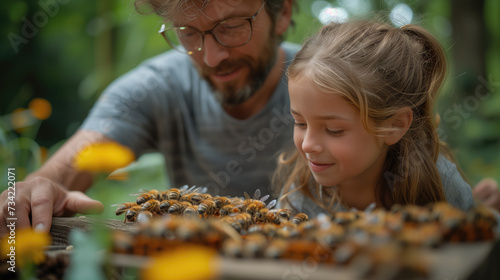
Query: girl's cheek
point(297, 138)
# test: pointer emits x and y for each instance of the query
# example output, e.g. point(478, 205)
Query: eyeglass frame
point(203, 33)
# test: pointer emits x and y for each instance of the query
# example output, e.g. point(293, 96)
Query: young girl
point(362, 95)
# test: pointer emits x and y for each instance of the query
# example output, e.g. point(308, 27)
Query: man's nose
point(214, 52)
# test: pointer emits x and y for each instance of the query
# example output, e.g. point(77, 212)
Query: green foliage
point(147, 173)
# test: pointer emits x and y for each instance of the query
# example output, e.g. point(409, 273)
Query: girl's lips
point(318, 167)
point(227, 77)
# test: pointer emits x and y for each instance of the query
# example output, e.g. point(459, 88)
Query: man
point(219, 112)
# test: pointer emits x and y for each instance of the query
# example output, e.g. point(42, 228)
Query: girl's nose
point(311, 144)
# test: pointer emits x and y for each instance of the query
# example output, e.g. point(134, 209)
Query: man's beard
point(229, 94)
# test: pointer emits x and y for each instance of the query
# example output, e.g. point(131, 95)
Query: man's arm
point(55, 189)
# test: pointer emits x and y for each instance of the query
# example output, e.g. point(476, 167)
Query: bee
point(190, 229)
point(481, 213)
point(163, 195)
point(207, 207)
point(232, 248)
point(152, 194)
point(287, 231)
point(272, 217)
point(307, 228)
point(122, 242)
point(261, 215)
point(428, 234)
point(256, 197)
point(267, 229)
point(194, 198)
point(331, 234)
point(122, 208)
point(221, 201)
point(144, 217)
point(237, 200)
point(345, 252)
point(244, 219)
point(132, 212)
point(415, 213)
point(165, 206)
point(276, 248)
point(284, 213)
point(299, 218)
point(233, 223)
point(253, 205)
point(447, 214)
point(254, 245)
point(173, 194)
point(151, 205)
point(191, 210)
point(227, 209)
point(205, 196)
point(344, 218)
point(178, 207)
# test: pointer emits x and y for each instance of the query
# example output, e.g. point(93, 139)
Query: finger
point(15, 213)
point(483, 191)
point(3, 226)
point(41, 210)
point(487, 183)
point(479, 193)
point(491, 201)
point(80, 203)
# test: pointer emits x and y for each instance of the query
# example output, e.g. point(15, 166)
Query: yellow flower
point(20, 119)
point(26, 245)
point(43, 154)
point(103, 157)
point(118, 175)
point(183, 263)
point(40, 108)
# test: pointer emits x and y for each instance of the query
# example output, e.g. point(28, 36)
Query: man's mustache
point(225, 66)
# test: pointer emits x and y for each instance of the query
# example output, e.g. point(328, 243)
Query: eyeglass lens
point(229, 33)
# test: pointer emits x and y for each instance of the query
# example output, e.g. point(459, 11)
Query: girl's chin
point(324, 182)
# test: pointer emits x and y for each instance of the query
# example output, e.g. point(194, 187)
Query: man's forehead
point(213, 10)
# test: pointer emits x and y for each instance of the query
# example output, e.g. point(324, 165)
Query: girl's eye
point(297, 124)
point(335, 132)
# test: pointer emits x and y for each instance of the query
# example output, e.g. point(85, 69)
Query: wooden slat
point(61, 227)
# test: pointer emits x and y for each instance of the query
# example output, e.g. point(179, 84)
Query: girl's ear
point(399, 123)
point(284, 17)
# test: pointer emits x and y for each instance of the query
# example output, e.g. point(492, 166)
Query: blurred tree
point(469, 33)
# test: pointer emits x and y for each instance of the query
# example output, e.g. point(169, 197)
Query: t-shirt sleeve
point(457, 191)
point(125, 110)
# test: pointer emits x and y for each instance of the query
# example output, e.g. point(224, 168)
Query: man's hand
point(487, 191)
point(42, 198)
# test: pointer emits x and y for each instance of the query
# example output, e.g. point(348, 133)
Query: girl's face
point(331, 138)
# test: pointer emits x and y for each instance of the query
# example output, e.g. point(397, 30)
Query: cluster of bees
point(249, 228)
point(194, 202)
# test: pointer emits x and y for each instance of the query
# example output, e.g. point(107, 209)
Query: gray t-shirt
point(163, 105)
point(457, 192)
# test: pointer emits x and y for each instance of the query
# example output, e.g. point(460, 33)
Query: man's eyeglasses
point(231, 33)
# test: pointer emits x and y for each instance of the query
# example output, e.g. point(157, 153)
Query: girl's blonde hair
point(379, 69)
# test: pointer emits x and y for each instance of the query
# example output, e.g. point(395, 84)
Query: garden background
point(57, 56)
